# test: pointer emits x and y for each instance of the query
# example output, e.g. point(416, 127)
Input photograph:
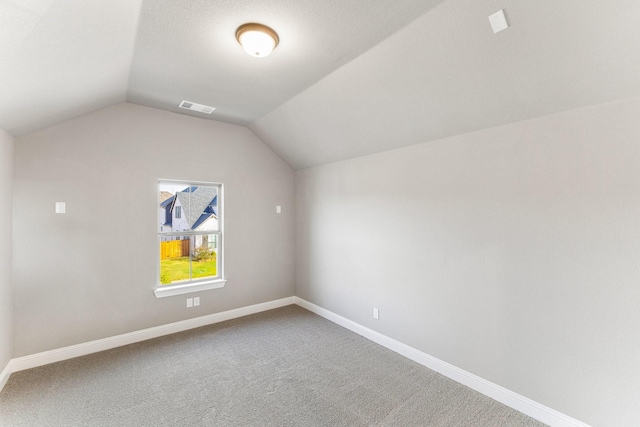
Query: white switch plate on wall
point(498, 21)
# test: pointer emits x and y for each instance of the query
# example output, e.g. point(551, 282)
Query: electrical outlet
point(189, 302)
point(196, 301)
point(376, 313)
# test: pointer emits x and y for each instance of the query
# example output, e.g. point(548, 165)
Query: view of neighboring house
point(194, 208)
point(188, 228)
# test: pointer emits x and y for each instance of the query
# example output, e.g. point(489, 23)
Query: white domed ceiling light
point(257, 40)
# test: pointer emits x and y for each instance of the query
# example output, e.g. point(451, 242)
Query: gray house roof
point(195, 201)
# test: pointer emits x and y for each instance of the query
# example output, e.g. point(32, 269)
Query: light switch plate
point(498, 21)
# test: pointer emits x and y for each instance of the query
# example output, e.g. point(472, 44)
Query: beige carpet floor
point(284, 367)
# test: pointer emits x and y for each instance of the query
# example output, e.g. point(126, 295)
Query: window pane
point(186, 207)
point(189, 232)
point(205, 256)
point(175, 261)
point(187, 258)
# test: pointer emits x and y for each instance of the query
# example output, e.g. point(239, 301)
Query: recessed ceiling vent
point(196, 107)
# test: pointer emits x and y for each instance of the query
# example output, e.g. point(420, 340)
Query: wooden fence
point(174, 249)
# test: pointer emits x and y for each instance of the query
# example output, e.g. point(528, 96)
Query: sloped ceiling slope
point(447, 73)
point(64, 58)
point(349, 78)
point(186, 49)
point(61, 59)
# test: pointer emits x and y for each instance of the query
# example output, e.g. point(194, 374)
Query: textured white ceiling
point(447, 73)
point(349, 77)
point(62, 58)
point(186, 49)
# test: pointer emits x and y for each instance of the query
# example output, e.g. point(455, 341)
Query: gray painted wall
point(6, 301)
point(90, 273)
point(511, 253)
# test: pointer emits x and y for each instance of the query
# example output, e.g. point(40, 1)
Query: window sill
point(169, 291)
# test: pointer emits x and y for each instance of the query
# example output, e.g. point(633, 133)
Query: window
point(189, 237)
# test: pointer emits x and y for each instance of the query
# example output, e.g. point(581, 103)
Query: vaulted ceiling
point(349, 78)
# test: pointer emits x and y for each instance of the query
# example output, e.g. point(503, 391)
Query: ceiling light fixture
point(256, 39)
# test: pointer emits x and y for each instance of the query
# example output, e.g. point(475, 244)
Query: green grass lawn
point(177, 269)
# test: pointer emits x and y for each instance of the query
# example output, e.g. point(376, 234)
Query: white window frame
point(197, 285)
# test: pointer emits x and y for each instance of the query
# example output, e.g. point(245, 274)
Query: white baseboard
point(520, 403)
point(57, 355)
point(5, 374)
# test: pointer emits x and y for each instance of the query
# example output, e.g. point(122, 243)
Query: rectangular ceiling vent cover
point(196, 107)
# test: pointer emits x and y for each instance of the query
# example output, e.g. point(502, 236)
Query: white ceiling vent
point(196, 107)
